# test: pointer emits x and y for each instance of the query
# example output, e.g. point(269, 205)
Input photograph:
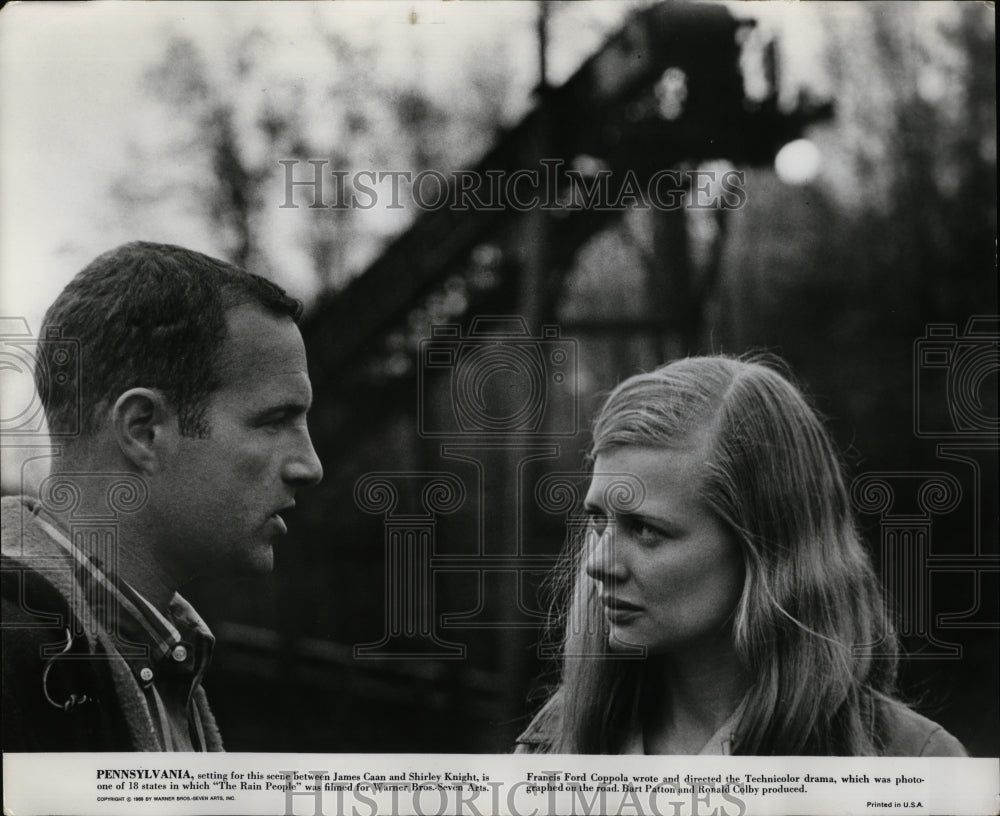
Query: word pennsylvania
point(144, 773)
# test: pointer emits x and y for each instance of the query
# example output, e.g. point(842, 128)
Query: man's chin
point(258, 561)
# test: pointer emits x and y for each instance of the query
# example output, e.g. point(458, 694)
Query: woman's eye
point(644, 533)
point(597, 522)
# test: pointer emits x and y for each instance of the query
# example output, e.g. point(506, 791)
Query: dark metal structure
point(409, 619)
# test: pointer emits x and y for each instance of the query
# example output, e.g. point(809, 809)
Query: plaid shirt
point(167, 654)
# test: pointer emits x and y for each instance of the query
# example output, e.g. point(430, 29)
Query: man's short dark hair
point(153, 316)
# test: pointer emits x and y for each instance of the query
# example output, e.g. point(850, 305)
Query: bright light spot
point(797, 162)
point(671, 93)
point(932, 85)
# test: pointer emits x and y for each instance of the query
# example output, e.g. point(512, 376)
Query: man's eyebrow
point(289, 406)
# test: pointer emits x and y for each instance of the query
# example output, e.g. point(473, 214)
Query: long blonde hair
point(811, 607)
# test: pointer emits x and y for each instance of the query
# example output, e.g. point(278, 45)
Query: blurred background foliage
point(840, 275)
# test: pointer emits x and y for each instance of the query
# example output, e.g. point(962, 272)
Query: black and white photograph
point(479, 406)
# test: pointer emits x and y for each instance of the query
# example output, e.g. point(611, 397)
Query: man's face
point(220, 496)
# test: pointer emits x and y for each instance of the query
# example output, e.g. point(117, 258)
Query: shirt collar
point(719, 744)
point(179, 643)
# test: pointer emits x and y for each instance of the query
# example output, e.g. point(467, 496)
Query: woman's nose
point(602, 563)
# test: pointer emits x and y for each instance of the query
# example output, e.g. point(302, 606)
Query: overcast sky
point(74, 111)
point(73, 106)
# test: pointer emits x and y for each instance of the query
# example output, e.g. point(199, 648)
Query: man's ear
point(142, 420)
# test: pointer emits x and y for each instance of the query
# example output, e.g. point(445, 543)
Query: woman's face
point(669, 573)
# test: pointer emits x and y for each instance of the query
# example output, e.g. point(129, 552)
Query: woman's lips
point(619, 608)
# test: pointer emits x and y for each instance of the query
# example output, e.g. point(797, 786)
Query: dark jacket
point(64, 692)
point(909, 734)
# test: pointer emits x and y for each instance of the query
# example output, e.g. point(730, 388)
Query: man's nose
point(303, 468)
point(602, 563)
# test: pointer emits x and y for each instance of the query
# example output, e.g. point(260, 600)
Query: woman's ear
point(140, 419)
